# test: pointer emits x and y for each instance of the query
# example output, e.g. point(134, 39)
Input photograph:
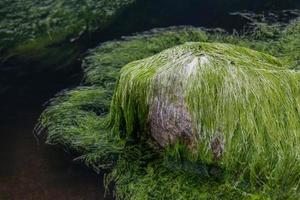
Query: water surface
point(29, 171)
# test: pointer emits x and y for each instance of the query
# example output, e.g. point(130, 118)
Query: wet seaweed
point(33, 28)
point(79, 120)
point(250, 98)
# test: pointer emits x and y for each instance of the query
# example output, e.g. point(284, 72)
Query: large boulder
point(230, 106)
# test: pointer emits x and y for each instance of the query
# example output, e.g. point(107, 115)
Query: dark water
point(29, 171)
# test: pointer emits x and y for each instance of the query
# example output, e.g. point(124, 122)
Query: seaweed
point(246, 99)
point(82, 119)
point(40, 30)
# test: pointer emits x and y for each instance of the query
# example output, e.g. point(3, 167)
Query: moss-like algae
point(78, 120)
point(280, 40)
point(250, 98)
point(37, 29)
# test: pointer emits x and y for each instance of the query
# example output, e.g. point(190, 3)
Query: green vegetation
point(246, 99)
point(260, 161)
point(33, 27)
point(279, 39)
point(103, 64)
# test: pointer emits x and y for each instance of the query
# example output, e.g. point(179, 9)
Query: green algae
point(108, 58)
point(32, 28)
point(102, 65)
point(78, 121)
point(277, 39)
point(247, 96)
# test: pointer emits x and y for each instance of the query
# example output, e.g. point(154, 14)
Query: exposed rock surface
point(171, 122)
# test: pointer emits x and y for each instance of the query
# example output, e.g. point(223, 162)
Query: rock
point(170, 122)
point(225, 103)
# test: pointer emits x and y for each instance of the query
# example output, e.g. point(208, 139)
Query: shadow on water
point(31, 171)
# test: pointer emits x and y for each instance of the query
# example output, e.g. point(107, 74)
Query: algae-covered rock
point(231, 106)
point(79, 119)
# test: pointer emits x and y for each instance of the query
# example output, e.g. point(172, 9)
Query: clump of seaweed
point(76, 120)
point(79, 121)
point(244, 108)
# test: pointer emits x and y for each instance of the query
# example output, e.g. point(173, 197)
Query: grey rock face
point(171, 122)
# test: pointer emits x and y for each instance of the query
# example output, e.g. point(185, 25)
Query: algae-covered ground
point(43, 29)
point(263, 165)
